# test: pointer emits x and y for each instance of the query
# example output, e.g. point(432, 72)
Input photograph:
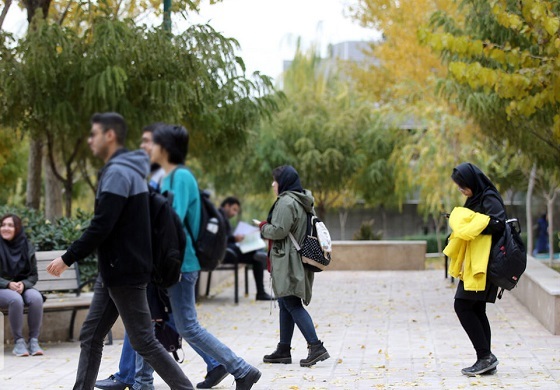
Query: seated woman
point(18, 275)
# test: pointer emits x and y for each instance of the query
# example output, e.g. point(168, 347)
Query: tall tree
point(194, 78)
point(322, 129)
point(503, 58)
point(79, 16)
point(432, 134)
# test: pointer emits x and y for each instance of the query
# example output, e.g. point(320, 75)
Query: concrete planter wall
point(539, 290)
point(378, 255)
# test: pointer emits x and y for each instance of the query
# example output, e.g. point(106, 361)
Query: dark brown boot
point(281, 355)
point(317, 353)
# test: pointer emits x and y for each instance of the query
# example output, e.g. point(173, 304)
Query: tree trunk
point(550, 199)
point(53, 191)
point(33, 5)
point(528, 206)
point(35, 146)
point(343, 217)
point(550, 213)
point(34, 174)
point(437, 223)
point(68, 184)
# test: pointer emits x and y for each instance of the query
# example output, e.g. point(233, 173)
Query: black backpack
point(211, 243)
point(168, 240)
point(508, 258)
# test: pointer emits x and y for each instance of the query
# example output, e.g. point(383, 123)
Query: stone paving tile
point(383, 330)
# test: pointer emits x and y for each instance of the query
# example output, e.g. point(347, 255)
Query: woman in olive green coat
point(292, 283)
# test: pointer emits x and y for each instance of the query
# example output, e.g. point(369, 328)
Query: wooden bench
point(235, 267)
point(63, 293)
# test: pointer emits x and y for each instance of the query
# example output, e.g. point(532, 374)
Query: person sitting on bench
point(230, 208)
point(18, 275)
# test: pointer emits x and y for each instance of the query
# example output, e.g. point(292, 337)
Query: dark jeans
point(248, 258)
point(472, 315)
point(293, 313)
point(131, 303)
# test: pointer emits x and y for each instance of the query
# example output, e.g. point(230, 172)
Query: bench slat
point(59, 285)
point(48, 255)
point(68, 275)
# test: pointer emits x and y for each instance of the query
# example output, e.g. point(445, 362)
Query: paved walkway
point(384, 330)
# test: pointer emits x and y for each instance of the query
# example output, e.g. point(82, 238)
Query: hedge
point(55, 235)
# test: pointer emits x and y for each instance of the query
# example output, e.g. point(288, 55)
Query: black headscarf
point(470, 176)
point(14, 254)
point(288, 180)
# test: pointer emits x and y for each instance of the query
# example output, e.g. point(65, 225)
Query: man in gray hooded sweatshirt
point(120, 231)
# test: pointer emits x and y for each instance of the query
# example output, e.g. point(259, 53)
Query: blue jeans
point(133, 369)
point(131, 304)
point(293, 313)
point(182, 298)
point(127, 363)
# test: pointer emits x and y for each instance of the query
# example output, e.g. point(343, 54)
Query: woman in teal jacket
point(291, 282)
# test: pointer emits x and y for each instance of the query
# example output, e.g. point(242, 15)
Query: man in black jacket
point(120, 231)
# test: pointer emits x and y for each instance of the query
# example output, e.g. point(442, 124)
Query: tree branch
point(51, 158)
point(65, 13)
point(5, 10)
point(85, 175)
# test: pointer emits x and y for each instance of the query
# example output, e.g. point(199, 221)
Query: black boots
point(317, 353)
point(281, 355)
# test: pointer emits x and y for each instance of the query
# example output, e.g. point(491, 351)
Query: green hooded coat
point(289, 277)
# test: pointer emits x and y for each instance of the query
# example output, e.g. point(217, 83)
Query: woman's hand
point(16, 286)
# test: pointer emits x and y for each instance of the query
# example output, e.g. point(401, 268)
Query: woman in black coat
point(18, 275)
point(470, 306)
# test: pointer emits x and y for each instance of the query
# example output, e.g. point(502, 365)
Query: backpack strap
point(185, 220)
point(500, 293)
point(296, 245)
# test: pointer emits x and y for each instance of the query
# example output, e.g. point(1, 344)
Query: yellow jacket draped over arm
point(467, 249)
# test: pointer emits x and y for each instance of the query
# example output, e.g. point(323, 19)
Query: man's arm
point(107, 213)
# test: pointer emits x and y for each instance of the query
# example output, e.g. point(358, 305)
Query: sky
point(267, 30)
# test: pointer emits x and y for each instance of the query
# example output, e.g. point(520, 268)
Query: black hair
point(230, 200)
point(152, 127)
point(111, 121)
point(175, 140)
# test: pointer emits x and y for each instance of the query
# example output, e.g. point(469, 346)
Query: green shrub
point(55, 235)
point(366, 232)
point(431, 241)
